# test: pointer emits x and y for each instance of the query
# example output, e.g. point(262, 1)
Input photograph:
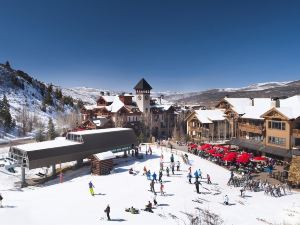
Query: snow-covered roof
point(116, 105)
point(91, 107)
point(208, 116)
point(290, 107)
point(108, 98)
point(105, 155)
point(61, 142)
point(261, 105)
point(84, 132)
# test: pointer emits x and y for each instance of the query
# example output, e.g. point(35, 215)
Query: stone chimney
point(252, 101)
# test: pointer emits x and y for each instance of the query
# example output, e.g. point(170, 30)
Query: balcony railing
point(251, 128)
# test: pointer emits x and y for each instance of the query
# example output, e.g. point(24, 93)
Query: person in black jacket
point(1, 198)
point(107, 210)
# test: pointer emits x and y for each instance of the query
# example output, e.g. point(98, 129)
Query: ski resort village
point(149, 112)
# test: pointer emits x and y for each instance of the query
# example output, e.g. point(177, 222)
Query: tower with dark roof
point(142, 90)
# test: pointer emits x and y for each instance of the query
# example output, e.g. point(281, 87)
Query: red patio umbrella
point(243, 158)
point(230, 157)
point(211, 151)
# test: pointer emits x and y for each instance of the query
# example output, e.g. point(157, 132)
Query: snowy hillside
point(258, 86)
point(26, 95)
point(87, 95)
point(70, 202)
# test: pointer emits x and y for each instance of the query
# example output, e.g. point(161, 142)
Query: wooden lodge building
point(263, 125)
point(128, 110)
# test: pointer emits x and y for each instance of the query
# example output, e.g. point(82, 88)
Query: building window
point(279, 125)
point(276, 141)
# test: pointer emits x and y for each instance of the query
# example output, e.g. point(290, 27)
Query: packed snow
point(70, 202)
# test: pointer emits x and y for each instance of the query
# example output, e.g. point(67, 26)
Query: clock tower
point(142, 90)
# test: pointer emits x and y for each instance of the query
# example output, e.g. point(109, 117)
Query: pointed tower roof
point(142, 85)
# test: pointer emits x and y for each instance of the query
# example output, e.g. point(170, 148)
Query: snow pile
point(71, 203)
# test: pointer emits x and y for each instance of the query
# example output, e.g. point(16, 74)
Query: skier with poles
point(91, 187)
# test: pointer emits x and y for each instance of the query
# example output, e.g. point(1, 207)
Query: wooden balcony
point(250, 128)
point(296, 133)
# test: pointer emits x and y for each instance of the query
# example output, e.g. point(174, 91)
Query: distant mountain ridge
point(212, 96)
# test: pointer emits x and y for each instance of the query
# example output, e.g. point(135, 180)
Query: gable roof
point(208, 116)
point(142, 85)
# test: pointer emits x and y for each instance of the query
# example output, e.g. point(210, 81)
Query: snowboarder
point(178, 165)
point(107, 210)
point(197, 186)
point(168, 171)
point(91, 186)
point(208, 179)
point(161, 189)
point(226, 200)
point(190, 177)
point(160, 176)
point(1, 198)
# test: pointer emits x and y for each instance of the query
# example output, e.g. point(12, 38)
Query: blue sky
point(175, 45)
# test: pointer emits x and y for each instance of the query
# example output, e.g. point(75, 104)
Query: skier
point(107, 210)
point(190, 177)
point(1, 198)
point(168, 174)
point(226, 200)
point(242, 192)
point(162, 189)
point(208, 179)
point(91, 186)
point(197, 186)
point(160, 176)
point(145, 170)
point(178, 165)
point(190, 170)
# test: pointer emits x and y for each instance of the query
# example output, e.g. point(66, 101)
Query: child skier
point(161, 189)
point(208, 179)
point(91, 186)
point(107, 210)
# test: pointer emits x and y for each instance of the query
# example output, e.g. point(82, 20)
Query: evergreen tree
point(80, 104)
point(5, 115)
point(51, 134)
point(40, 135)
point(58, 94)
point(7, 65)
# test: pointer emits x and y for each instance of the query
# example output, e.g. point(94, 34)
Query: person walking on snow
point(226, 200)
point(172, 158)
point(152, 186)
point(190, 177)
point(197, 186)
point(178, 165)
point(162, 189)
point(154, 176)
point(173, 168)
point(91, 186)
point(145, 170)
point(208, 179)
point(160, 176)
point(231, 178)
point(154, 199)
point(168, 171)
point(196, 175)
point(200, 174)
point(1, 198)
point(107, 210)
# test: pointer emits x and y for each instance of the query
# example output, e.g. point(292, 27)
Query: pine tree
point(5, 115)
point(40, 135)
point(80, 104)
point(51, 134)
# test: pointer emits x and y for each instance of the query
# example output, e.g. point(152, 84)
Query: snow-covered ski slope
point(70, 202)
